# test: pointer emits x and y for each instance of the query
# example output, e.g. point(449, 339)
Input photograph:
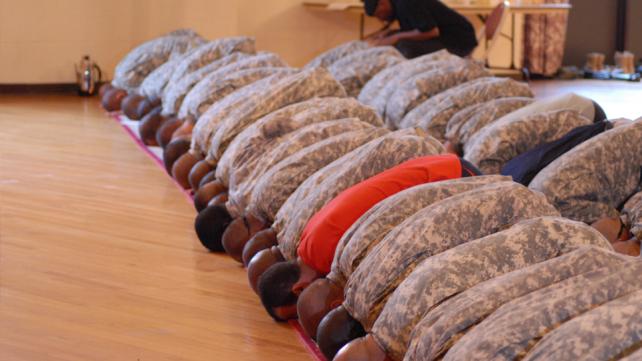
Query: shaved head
point(337, 329)
point(149, 125)
point(210, 224)
point(206, 193)
point(260, 263)
point(362, 349)
point(316, 301)
point(104, 89)
point(208, 178)
point(197, 173)
point(145, 106)
point(182, 167)
point(164, 134)
point(262, 240)
point(173, 151)
point(235, 237)
point(129, 106)
point(184, 130)
point(112, 99)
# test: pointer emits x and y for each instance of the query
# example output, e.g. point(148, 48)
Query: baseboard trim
point(56, 88)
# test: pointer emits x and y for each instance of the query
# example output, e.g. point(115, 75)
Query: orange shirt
point(324, 230)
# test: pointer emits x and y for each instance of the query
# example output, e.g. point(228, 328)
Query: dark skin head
point(384, 11)
point(210, 224)
point(164, 133)
point(112, 99)
point(197, 173)
point(219, 200)
point(316, 301)
point(129, 106)
point(104, 89)
point(612, 229)
point(149, 125)
point(144, 107)
point(239, 233)
point(208, 178)
point(630, 247)
point(261, 240)
point(362, 349)
point(182, 167)
point(184, 130)
point(336, 329)
point(206, 192)
point(261, 262)
point(173, 151)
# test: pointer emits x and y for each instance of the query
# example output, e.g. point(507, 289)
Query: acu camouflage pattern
point(208, 122)
point(468, 121)
point(632, 215)
point(442, 326)
point(605, 333)
point(591, 180)
point(355, 70)
point(216, 85)
point(240, 193)
point(449, 273)
point(372, 226)
point(329, 57)
point(140, 62)
point(406, 96)
point(175, 92)
point(362, 163)
point(502, 141)
point(295, 88)
point(433, 114)
point(514, 328)
point(378, 89)
point(153, 85)
point(432, 230)
point(242, 155)
point(277, 184)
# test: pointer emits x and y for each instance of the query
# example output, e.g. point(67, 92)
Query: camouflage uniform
point(502, 141)
point(154, 84)
point(142, 60)
point(362, 163)
point(632, 215)
point(448, 273)
point(582, 105)
point(414, 91)
point(442, 326)
point(373, 226)
point(277, 184)
point(243, 155)
point(331, 56)
point(227, 79)
point(378, 89)
point(604, 333)
point(592, 179)
point(209, 120)
point(434, 113)
point(175, 92)
point(432, 230)
point(513, 330)
point(240, 193)
point(468, 121)
point(354, 71)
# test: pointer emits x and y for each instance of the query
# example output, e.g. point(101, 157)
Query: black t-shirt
point(424, 15)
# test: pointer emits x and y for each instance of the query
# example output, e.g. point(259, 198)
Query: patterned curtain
point(544, 39)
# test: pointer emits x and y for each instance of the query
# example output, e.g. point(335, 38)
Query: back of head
point(210, 225)
point(275, 287)
point(337, 329)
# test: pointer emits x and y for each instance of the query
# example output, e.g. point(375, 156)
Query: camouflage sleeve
point(153, 85)
point(432, 230)
point(378, 90)
point(442, 326)
point(209, 120)
point(513, 330)
point(446, 274)
point(175, 92)
point(141, 61)
point(409, 94)
point(605, 333)
point(502, 141)
point(354, 71)
point(471, 119)
point(330, 56)
point(632, 215)
point(240, 193)
point(281, 180)
point(594, 178)
point(243, 155)
point(364, 162)
point(433, 114)
point(373, 226)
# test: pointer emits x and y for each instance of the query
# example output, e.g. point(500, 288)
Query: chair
point(492, 28)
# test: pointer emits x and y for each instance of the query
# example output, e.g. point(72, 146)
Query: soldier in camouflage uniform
point(417, 89)
point(430, 231)
point(468, 121)
point(593, 179)
point(503, 140)
point(355, 244)
point(515, 328)
point(152, 86)
point(632, 215)
point(331, 56)
point(433, 114)
point(446, 274)
point(442, 326)
point(354, 71)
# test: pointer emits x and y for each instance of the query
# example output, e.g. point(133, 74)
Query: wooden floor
point(98, 258)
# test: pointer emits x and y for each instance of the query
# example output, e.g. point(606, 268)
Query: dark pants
point(413, 48)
